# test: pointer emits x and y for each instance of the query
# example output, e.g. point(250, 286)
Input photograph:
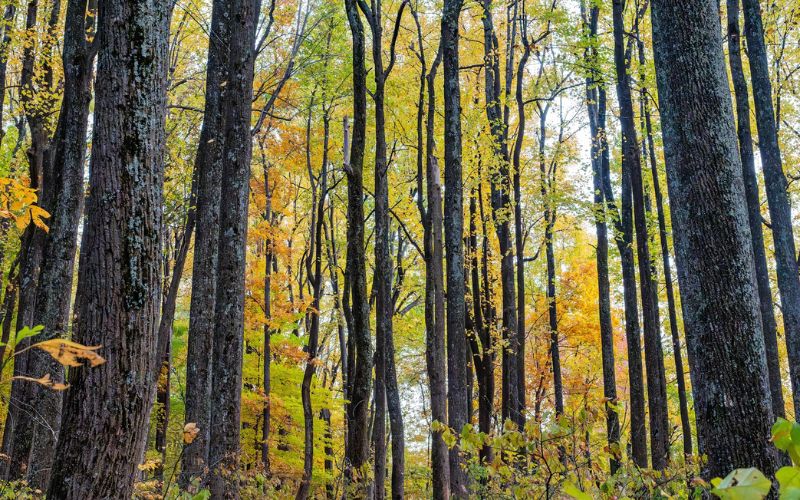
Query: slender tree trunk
point(654, 358)
point(595, 91)
point(268, 258)
point(118, 285)
point(741, 94)
point(780, 210)
point(208, 165)
point(453, 233)
point(712, 240)
point(37, 102)
point(53, 297)
point(360, 346)
point(432, 223)
point(228, 339)
point(501, 203)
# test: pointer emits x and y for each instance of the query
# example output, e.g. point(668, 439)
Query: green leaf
point(28, 332)
point(742, 484)
point(574, 492)
point(782, 433)
point(789, 481)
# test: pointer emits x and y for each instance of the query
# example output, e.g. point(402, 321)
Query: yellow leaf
point(70, 353)
point(190, 432)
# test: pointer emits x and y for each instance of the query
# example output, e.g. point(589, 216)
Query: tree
point(780, 209)
point(52, 303)
point(453, 232)
point(631, 165)
point(356, 300)
point(208, 165)
point(714, 253)
point(118, 284)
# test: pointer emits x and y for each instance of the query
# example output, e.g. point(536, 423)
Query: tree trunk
point(780, 209)
point(232, 257)
point(356, 298)
point(53, 297)
point(712, 240)
point(501, 204)
point(208, 168)
point(595, 94)
point(119, 281)
point(631, 159)
point(453, 233)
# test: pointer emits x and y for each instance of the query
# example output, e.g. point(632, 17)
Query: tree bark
point(208, 168)
point(453, 234)
point(595, 94)
point(631, 159)
point(54, 293)
point(232, 257)
point(780, 209)
point(712, 240)
point(119, 281)
point(356, 298)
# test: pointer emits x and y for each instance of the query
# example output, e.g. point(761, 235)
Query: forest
point(411, 249)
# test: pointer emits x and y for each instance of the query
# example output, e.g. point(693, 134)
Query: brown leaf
point(70, 353)
point(190, 432)
point(45, 381)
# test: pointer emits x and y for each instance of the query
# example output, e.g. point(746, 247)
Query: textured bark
point(595, 101)
point(355, 293)
point(712, 240)
point(224, 446)
point(37, 102)
point(429, 176)
point(54, 291)
point(501, 205)
point(453, 232)
point(741, 93)
point(780, 210)
point(631, 163)
point(119, 281)
point(208, 168)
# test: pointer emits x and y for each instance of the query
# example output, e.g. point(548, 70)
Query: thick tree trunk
point(224, 446)
point(53, 297)
point(208, 168)
point(356, 298)
point(780, 210)
point(453, 234)
point(119, 282)
point(712, 240)
point(654, 358)
point(595, 99)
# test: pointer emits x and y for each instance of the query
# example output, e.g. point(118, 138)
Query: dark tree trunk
point(623, 229)
point(228, 339)
point(428, 174)
point(269, 256)
point(53, 297)
point(768, 322)
point(8, 19)
point(453, 235)
point(780, 210)
point(162, 418)
point(119, 281)
point(501, 204)
point(712, 240)
point(208, 171)
point(314, 272)
point(37, 102)
point(595, 93)
point(355, 293)
point(631, 159)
